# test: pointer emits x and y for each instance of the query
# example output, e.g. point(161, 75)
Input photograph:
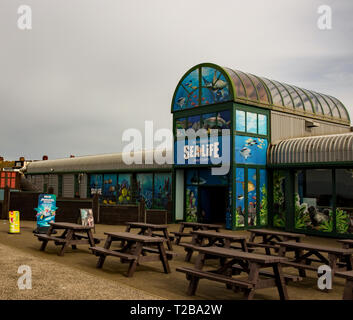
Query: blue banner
point(46, 210)
point(210, 150)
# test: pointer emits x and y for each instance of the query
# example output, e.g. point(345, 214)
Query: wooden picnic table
point(194, 226)
point(235, 262)
point(348, 289)
point(306, 253)
point(72, 235)
point(149, 229)
point(270, 239)
point(136, 249)
point(212, 238)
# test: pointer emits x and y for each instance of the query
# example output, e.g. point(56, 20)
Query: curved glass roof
point(211, 84)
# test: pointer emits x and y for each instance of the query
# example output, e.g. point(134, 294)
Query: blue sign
point(210, 150)
point(46, 210)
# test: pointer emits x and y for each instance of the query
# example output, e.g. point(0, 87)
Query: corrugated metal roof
point(320, 149)
point(104, 162)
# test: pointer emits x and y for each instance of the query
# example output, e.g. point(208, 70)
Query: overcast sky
point(89, 69)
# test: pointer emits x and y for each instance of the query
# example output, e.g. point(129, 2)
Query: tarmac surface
point(75, 276)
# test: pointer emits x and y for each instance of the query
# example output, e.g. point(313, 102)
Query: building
point(289, 152)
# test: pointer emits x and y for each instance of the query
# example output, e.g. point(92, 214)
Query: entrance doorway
point(213, 204)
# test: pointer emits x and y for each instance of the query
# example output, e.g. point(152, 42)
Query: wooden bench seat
point(263, 245)
point(287, 277)
point(99, 251)
point(44, 237)
point(169, 254)
point(183, 234)
point(299, 265)
point(199, 274)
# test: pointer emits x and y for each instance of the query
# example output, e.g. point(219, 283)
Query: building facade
point(285, 155)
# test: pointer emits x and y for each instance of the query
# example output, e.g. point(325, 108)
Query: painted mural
point(215, 87)
point(180, 123)
point(224, 120)
point(96, 183)
point(191, 204)
point(309, 212)
point(162, 190)
point(263, 198)
point(344, 220)
point(110, 182)
point(124, 188)
point(252, 197)
point(145, 188)
point(279, 204)
point(194, 122)
point(209, 121)
point(344, 201)
point(240, 197)
point(250, 150)
point(187, 94)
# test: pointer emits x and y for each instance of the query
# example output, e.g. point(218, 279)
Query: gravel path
point(56, 281)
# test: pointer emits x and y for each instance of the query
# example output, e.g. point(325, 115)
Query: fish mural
point(239, 198)
point(145, 188)
point(215, 87)
point(162, 190)
point(251, 185)
point(250, 150)
point(187, 94)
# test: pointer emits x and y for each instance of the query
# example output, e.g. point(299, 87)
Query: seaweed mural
point(263, 210)
point(310, 217)
point(239, 198)
point(279, 205)
point(191, 204)
point(162, 190)
point(343, 221)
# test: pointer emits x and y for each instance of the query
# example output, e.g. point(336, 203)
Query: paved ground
point(74, 275)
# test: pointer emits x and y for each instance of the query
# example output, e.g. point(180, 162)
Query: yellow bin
point(14, 219)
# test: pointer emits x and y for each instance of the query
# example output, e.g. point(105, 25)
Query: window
point(250, 122)
point(313, 200)
point(240, 120)
point(344, 201)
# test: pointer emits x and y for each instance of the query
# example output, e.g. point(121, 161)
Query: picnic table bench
point(271, 239)
point(150, 230)
point(136, 249)
point(194, 226)
point(346, 243)
point(72, 235)
point(212, 238)
point(348, 289)
point(306, 253)
point(235, 262)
